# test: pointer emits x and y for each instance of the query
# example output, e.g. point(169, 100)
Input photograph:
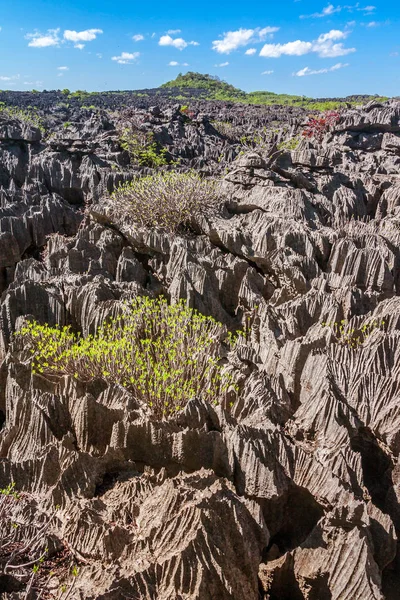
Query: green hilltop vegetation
point(210, 87)
point(214, 88)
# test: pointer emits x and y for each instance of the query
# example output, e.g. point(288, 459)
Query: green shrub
point(351, 336)
point(259, 141)
point(142, 148)
point(24, 116)
point(167, 200)
point(164, 354)
point(289, 144)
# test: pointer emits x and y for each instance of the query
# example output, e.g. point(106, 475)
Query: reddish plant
point(318, 126)
point(187, 112)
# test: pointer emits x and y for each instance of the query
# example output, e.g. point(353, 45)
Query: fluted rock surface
point(291, 493)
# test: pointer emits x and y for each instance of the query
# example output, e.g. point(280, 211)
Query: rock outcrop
point(291, 493)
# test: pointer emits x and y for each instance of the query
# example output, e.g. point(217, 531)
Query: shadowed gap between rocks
point(391, 578)
point(278, 582)
point(290, 519)
point(376, 466)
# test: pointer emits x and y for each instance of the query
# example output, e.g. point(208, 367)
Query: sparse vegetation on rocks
point(186, 463)
point(353, 336)
point(28, 116)
point(142, 148)
point(167, 200)
point(164, 354)
point(318, 126)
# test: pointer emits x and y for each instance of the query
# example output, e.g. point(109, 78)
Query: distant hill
point(214, 88)
point(210, 87)
point(185, 89)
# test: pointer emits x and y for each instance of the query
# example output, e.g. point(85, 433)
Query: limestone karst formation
point(293, 491)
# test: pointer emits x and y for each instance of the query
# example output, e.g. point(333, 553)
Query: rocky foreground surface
point(293, 492)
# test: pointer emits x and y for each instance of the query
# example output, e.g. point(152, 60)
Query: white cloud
point(333, 34)
point(232, 40)
point(173, 63)
point(138, 37)
point(126, 58)
point(79, 46)
point(63, 68)
point(39, 40)
point(267, 73)
point(173, 31)
point(179, 43)
point(99, 55)
point(308, 71)
point(88, 35)
point(324, 46)
point(326, 12)
point(367, 9)
point(10, 78)
point(251, 51)
point(376, 23)
point(297, 48)
point(224, 64)
point(331, 10)
point(266, 32)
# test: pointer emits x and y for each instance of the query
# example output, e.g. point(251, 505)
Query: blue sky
point(305, 47)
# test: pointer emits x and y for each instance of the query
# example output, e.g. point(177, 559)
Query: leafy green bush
point(80, 94)
point(142, 148)
point(24, 116)
point(164, 354)
point(167, 200)
point(289, 144)
point(260, 141)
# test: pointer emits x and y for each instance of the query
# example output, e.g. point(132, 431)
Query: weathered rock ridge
point(292, 493)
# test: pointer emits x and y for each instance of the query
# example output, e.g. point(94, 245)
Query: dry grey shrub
point(227, 130)
point(167, 200)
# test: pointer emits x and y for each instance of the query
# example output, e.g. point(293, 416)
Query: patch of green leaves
point(290, 144)
point(10, 491)
point(29, 117)
point(164, 354)
point(352, 336)
point(143, 149)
